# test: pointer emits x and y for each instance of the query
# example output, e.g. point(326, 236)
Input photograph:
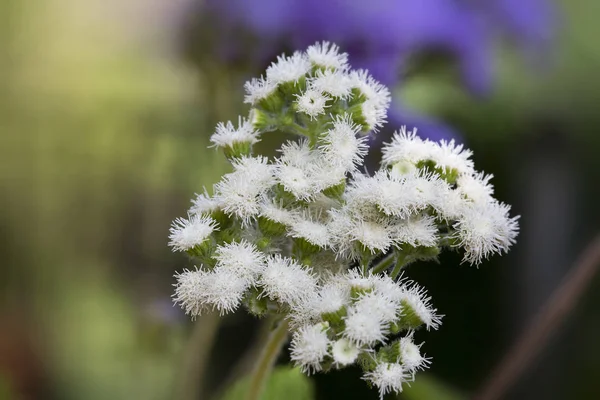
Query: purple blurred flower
point(380, 34)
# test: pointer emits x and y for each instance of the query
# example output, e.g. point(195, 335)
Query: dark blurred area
point(106, 108)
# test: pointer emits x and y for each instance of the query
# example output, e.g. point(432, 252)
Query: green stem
point(197, 352)
point(401, 262)
point(266, 360)
point(384, 263)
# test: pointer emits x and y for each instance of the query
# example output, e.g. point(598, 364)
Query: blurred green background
point(104, 127)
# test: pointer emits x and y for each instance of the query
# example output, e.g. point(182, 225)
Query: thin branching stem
point(266, 360)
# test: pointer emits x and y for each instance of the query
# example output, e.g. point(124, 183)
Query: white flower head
point(486, 229)
point(450, 156)
point(476, 187)
point(297, 180)
point(312, 103)
point(377, 96)
point(188, 233)
point(190, 291)
point(344, 352)
point(416, 306)
point(225, 289)
point(388, 377)
point(296, 153)
point(327, 55)
point(418, 230)
point(196, 291)
point(226, 135)
point(341, 146)
point(287, 281)
point(204, 204)
point(275, 212)
point(258, 89)
point(240, 191)
point(364, 328)
point(374, 114)
point(242, 258)
point(309, 347)
point(406, 147)
point(334, 83)
point(410, 355)
point(288, 69)
point(375, 236)
point(374, 303)
point(314, 232)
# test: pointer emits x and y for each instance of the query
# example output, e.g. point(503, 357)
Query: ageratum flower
point(304, 236)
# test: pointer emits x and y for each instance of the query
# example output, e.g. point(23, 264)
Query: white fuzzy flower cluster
point(306, 235)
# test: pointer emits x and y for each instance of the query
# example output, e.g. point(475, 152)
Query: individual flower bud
point(485, 229)
point(341, 146)
point(192, 234)
point(417, 310)
point(288, 69)
point(388, 377)
point(326, 55)
point(286, 281)
point(344, 352)
point(242, 258)
point(312, 103)
point(364, 328)
point(309, 347)
point(410, 355)
point(235, 142)
point(333, 83)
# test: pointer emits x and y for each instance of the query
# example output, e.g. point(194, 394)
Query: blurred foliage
point(284, 383)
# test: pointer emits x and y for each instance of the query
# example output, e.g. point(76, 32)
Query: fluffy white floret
point(485, 229)
point(341, 146)
point(188, 233)
point(190, 291)
point(315, 233)
point(242, 258)
point(204, 204)
point(287, 281)
point(312, 103)
point(226, 135)
point(344, 352)
point(388, 377)
point(198, 290)
point(364, 328)
point(450, 156)
point(410, 355)
point(327, 55)
point(417, 231)
point(297, 180)
point(296, 153)
point(272, 211)
point(476, 187)
point(239, 192)
point(334, 83)
point(378, 98)
point(406, 147)
point(225, 290)
point(383, 307)
point(416, 302)
point(258, 89)
point(309, 347)
point(288, 69)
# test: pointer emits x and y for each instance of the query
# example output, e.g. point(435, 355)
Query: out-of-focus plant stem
point(196, 356)
point(563, 300)
point(266, 360)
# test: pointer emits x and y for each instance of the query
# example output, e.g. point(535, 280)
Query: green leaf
point(426, 387)
point(284, 383)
